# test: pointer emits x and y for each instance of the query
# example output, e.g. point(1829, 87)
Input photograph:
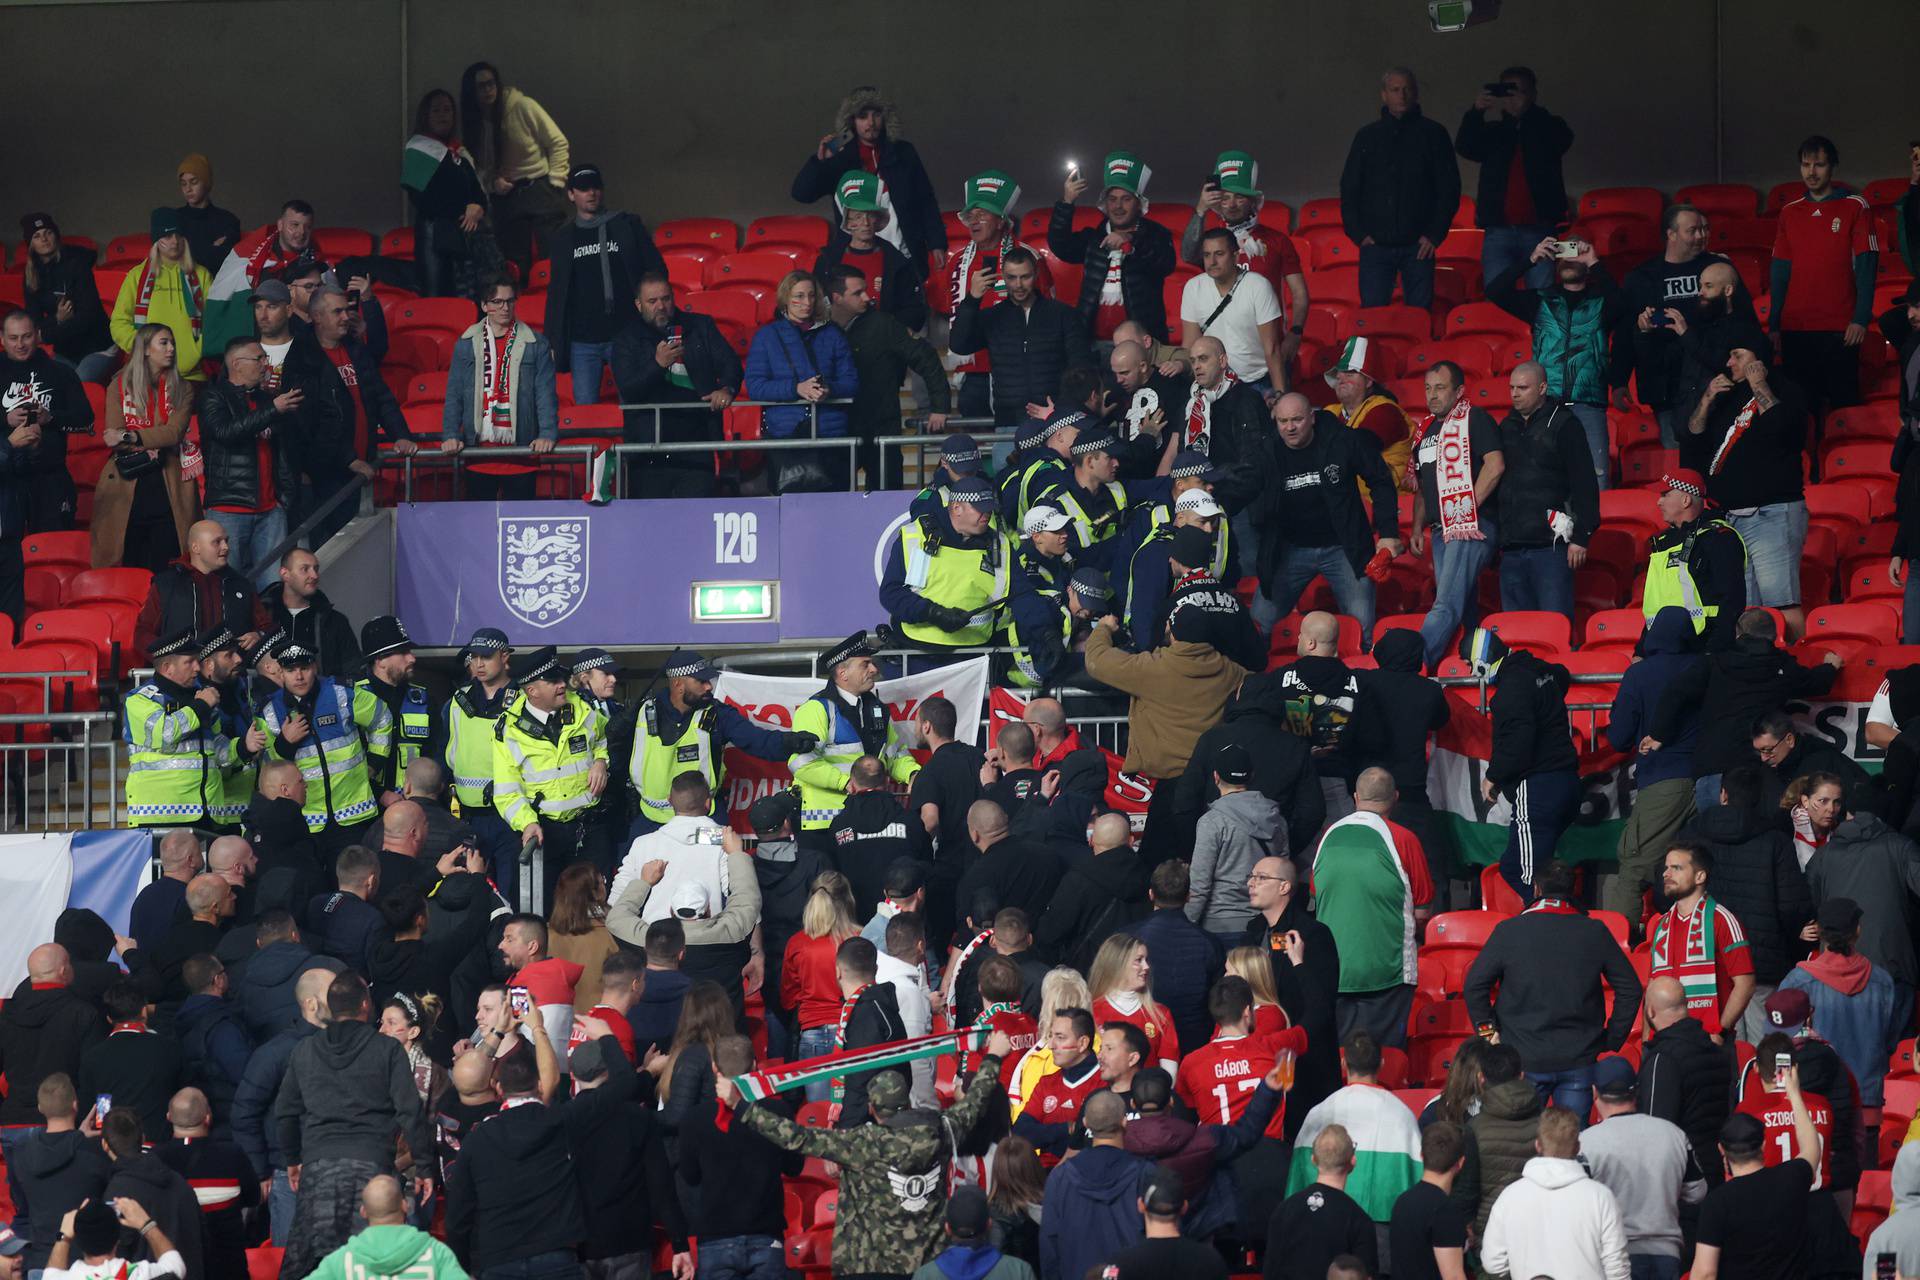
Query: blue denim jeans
point(556, 1264)
point(1352, 593)
point(1569, 1090)
point(1379, 264)
point(1456, 586)
point(586, 360)
point(742, 1258)
point(1245, 544)
point(1505, 246)
point(1775, 536)
point(280, 1200)
point(1536, 578)
point(813, 1043)
point(1652, 1266)
point(250, 537)
point(1593, 420)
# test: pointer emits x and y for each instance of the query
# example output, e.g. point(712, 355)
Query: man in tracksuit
point(1549, 502)
point(1533, 762)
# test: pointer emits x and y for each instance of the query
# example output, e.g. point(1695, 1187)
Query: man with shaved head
point(387, 1246)
point(220, 1176)
point(253, 1129)
point(1548, 501)
point(210, 906)
point(1053, 737)
point(44, 1028)
point(1097, 897)
point(1647, 347)
point(1018, 872)
point(1685, 1077)
point(403, 831)
point(1144, 402)
point(1313, 520)
point(155, 906)
point(233, 860)
point(200, 591)
point(1225, 419)
point(1238, 307)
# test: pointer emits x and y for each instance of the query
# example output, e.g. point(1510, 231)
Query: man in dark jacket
point(620, 1163)
point(252, 475)
point(221, 1179)
point(1788, 754)
point(1283, 770)
point(1731, 691)
point(1533, 762)
point(1573, 320)
point(1186, 959)
point(1662, 779)
point(1553, 966)
point(1503, 1129)
point(1306, 975)
point(867, 136)
point(1098, 896)
point(598, 257)
point(287, 868)
point(1398, 194)
point(1548, 499)
point(44, 1028)
point(1518, 145)
point(214, 1037)
point(254, 1129)
point(1757, 877)
point(301, 609)
point(347, 1093)
point(670, 356)
point(1017, 872)
point(164, 1194)
point(265, 986)
point(883, 353)
point(337, 366)
point(1127, 258)
point(1228, 422)
point(56, 1167)
point(1648, 348)
point(36, 388)
point(1685, 1078)
point(1031, 338)
point(1311, 518)
point(137, 1066)
point(874, 1019)
point(870, 834)
point(1877, 867)
point(200, 591)
point(1417, 709)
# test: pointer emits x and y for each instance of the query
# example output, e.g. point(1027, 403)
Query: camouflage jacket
point(893, 1176)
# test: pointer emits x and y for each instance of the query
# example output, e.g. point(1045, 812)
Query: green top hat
point(994, 191)
point(1238, 172)
point(1125, 170)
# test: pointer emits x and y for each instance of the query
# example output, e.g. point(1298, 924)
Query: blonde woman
point(169, 289)
point(144, 502)
point(808, 985)
point(1121, 980)
point(800, 355)
point(1062, 988)
point(1251, 964)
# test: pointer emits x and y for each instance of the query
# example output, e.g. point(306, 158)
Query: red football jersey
point(1217, 1080)
point(1772, 1110)
point(1022, 1030)
point(1163, 1042)
point(1821, 239)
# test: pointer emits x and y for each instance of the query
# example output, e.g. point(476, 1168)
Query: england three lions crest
point(543, 567)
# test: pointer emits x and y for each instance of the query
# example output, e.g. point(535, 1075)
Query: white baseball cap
point(1044, 519)
point(690, 900)
point(1199, 502)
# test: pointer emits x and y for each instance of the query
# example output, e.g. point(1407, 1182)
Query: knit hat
point(1355, 357)
point(1124, 170)
point(994, 191)
point(35, 222)
point(1744, 334)
point(1192, 547)
point(862, 192)
point(1238, 172)
point(163, 222)
point(197, 165)
point(1483, 651)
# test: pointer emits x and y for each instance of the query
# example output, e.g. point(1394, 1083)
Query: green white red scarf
point(1693, 965)
point(758, 1085)
point(840, 1034)
point(963, 272)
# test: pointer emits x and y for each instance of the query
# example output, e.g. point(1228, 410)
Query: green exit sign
point(736, 601)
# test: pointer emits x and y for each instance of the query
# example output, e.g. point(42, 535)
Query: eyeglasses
point(1279, 879)
point(498, 302)
point(1771, 750)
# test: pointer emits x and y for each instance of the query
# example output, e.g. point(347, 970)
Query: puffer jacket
point(1757, 877)
point(232, 420)
point(1030, 349)
point(1571, 329)
point(1415, 707)
point(1879, 868)
point(1144, 266)
point(782, 356)
point(915, 206)
point(1503, 1132)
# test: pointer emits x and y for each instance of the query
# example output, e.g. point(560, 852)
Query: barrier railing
point(71, 780)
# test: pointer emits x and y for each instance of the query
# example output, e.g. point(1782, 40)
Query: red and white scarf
point(191, 296)
point(269, 258)
point(1452, 472)
point(960, 959)
point(963, 266)
point(1200, 413)
point(496, 420)
point(1247, 245)
point(1741, 422)
point(159, 409)
point(1110, 294)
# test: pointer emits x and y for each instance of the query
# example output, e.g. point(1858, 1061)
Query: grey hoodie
point(1899, 1234)
point(1236, 831)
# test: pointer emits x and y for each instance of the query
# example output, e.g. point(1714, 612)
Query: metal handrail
point(99, 731)
point(354, 484)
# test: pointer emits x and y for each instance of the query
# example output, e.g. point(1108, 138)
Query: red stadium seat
point(424, 418)
point(1870, 583)
point(1496, 895)
point(1463, 213)
point(707, 231)
point(1440, 1018)
point(1340, 284)
point(1874, 623)
point(759, 291)
point(423, 388)
point(1639, 202)
point(1720, 199)
point(1874, 420)
point(1872, 1198)
point(1174, 215)
point(1428, 1061)
point(452, 314)
point(768, 268)
point(421, 350)
point(92, 585)
point(1725, 235)
point(1325, 245)
point(729, 308)
point(1885, 191)
point(801, 228)
point(1537, 631)
point(335, 243)
point(72, 548)
point(1461, 930)
point(1485, 318)
point(1474, 355)
point(93, 627)
point(43, 588)
point(397, 243)
point(1411, 323)
point(126, 251)
point(1615, 629)
point(1616, 925)
point(1902, 1067)
point(1315, 213)
point(1837, 505)
point(1416, 1099)
point(685, 273)
point(1781, 194)
point(1618, 233)
point(1892, 657)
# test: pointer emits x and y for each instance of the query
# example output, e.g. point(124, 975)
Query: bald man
point(1314, 520)
point(44, 1028)
point(1685, 1077)
point(1018, 872)
point(1053, 737)
point(253, 1128)
point(210, 905)
point(220, 1176)
point(1226, 419)
point(200, 590)
point(403, 832)
point(1097, 897)
point(1548, 500)
point(425, 783)
point(387, 1246)
point(233, 860)
point(156, 906)
point(1647, 346)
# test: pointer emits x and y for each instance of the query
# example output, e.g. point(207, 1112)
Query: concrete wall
point(709, 109)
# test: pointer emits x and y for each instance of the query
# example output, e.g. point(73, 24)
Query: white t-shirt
point(1881, 712)
point(277, 351)
point(1238, 326)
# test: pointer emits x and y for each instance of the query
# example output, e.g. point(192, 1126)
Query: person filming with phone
point(1519, 146)
point(690, 849)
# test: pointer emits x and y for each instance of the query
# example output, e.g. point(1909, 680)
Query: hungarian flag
point(230, 299)
point(420, 161)
point(601, 474)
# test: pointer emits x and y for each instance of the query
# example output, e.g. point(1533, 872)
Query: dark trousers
point(666, 476)
point(1823, 366)
point(13, 581)
point(1544, 806)
point(482, 487)
point(827, 470)
point(501, 848)
point(564, 843)
point(1380, 263)
point(558, 1264)
point(522, 216)
point(1164, 837)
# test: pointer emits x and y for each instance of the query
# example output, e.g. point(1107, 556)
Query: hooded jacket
point(1858, 1012)
point(915, 207)
point(214, 1036)
point(70, 278)
point(56, 1171)
point(1530, 729)
point(1900, 1233)
point(1236, 831)
point(89, 940)
point(1556, 1221)
point(1549, 965)
point(254, 1130)
point(42, 1030)
point(1687, 1079)
point(1098, 897)
point(1503, 1132)
point(389, 1253)
point(346, 1093)
point(319, 627)
point(1728, 692)
point(1283, 769)
point(1400, 181)
point(1665, 655)
point(1879, 868)
point(1417, 708)
point(56, 390)
point(266, 986)
point(1178, 692)
point(168, 1199)
point(1757, 877)
point(1091, 1210)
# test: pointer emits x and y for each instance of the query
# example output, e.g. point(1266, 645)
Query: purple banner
point(635, 572)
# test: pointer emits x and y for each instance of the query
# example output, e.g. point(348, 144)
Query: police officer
point(949, 575)
point(683, 727)
point(177, 751)
point(1040, 455)
point(1094, 498)
point(340, 738)
point(1047, 624)
point(1698, 562)
point(596, 678)
point(550, 769)
point(959, 458)
point(420, 728)
point(223, 669)
point(847, 720)
point(476, 707)
point(1150, 574)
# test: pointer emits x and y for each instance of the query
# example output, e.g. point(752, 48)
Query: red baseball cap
point(1685, 480)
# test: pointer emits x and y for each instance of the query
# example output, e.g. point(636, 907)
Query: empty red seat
point(72, 547)
point(43, 588)
point(1485, 318)
point(1174, 215)
point(1339, 284)
point(1322, 212)
point(1474, 355)
point(1874, 420)
point(125, 251)
point(1721, 199)
point(1639, 202)
point(761, 292)
point(426, 387)
point(335, 243)
point(1412, 323)
point(1614, 234)
point(1536, 630)
point(801, 228)
point(90, 626)
point(421, 349)
point(1782, 193)
point(452, 314)
point(1892, 657)
point(1615, 629)
point(397, 243)
point(1874, 623)
point(1464, 930)
point(768, 268)
point(716, 231)
point(117, 583)
point(1325, 244)
point(1429, 1060)
point(1873, 1197)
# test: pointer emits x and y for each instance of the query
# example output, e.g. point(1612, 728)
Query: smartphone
point(102, 1104)
point(840, 140)
point(750, 843)
point(353, 297)
point(521, 1000)
point(677, 336)
point(1782, 1063)
point(1886, 1266)
point(710, 835)
point(1073, 168)
point(990, 262)
point(1210, 185)
point(1566, 248)
point(1659, 320)
point(1495, 89)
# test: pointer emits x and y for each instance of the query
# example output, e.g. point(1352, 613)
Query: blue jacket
point(1186, 962)
point(1665, 646)
point(265, 986)
point(346, 925)
point(782, 357)
point(1091, 1211)
point(217, 1046)
point(535, 392)
point(253, 1131)
point(1863, 1027)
